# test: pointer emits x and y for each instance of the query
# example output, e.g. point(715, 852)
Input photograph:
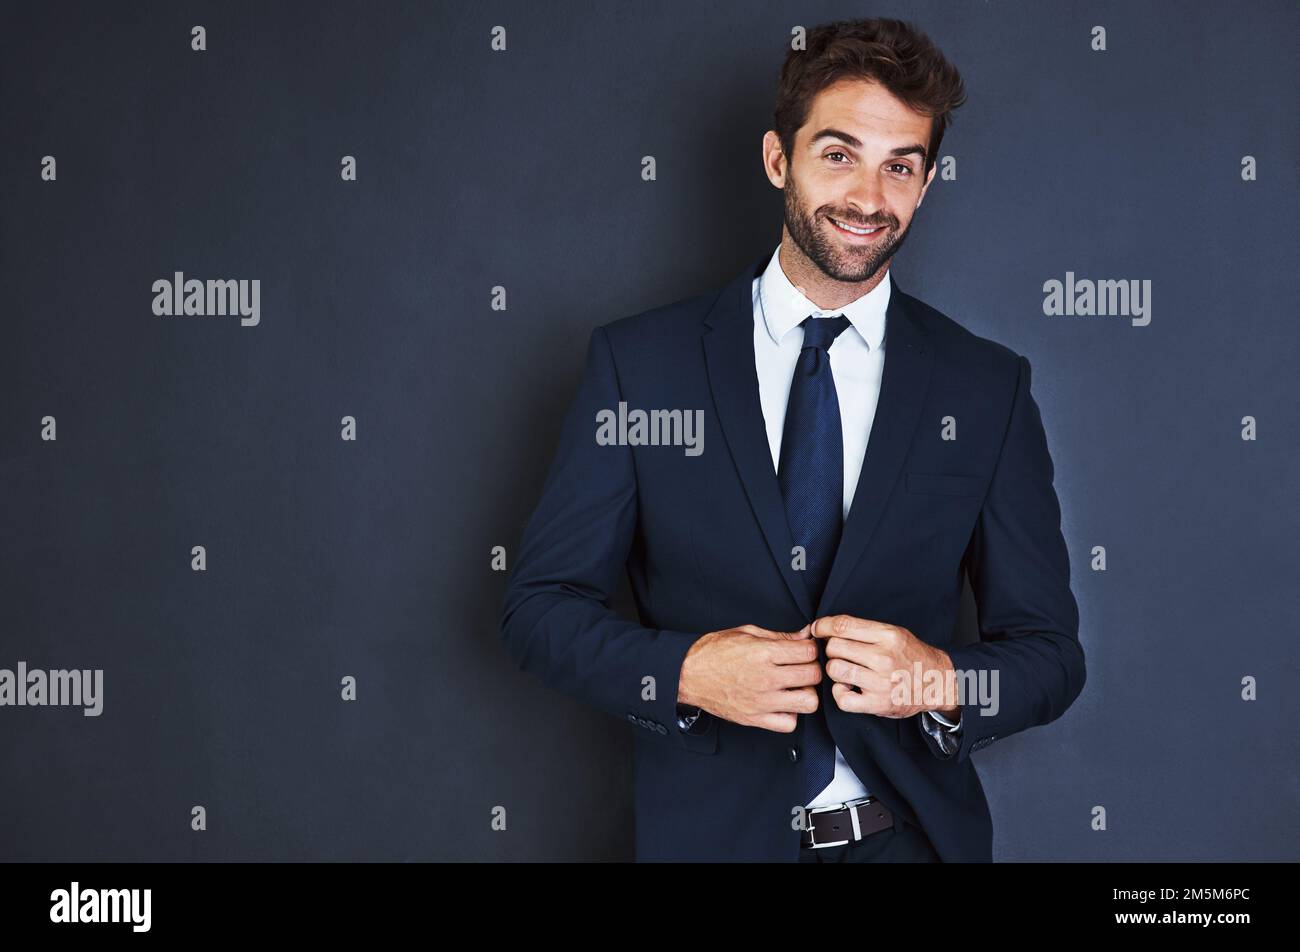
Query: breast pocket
point(945, 484)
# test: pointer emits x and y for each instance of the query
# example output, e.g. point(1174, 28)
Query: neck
point(824, 291)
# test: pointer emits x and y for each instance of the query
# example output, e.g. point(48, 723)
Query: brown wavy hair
point(892, 52)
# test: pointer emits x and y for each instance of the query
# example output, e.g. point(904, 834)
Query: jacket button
point(794, 754)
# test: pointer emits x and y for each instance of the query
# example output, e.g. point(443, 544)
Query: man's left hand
point(862, 658)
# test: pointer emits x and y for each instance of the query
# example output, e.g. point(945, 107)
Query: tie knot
point(820, 332)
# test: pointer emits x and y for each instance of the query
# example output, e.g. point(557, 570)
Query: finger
point(781, 723)
point(793, 701)
point(861, 653)
point(846, 672)
point(864, 679)
point(801, 651)
point(847, 699)
point(801, 634)
point(869, 701)
point(798, 675)
point(776, 635)
point(847, 626)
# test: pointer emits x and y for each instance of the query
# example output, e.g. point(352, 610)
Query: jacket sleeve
point(556, 619)
point(1029, 651)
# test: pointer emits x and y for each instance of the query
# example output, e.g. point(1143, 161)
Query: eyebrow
point(856, 143)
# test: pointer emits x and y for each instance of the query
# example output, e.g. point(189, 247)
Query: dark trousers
point(901, 843)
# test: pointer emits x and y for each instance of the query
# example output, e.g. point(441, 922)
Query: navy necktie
point(811, 476)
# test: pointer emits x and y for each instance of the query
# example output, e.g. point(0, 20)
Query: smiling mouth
point(855, 231)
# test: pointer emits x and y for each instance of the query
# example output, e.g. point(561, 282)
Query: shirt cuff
point(951, 727)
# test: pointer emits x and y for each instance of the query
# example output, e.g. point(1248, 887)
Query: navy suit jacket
point(706, 546)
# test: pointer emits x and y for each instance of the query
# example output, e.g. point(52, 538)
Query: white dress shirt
point(857, 361)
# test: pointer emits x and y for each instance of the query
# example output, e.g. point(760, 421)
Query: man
point(798, 571)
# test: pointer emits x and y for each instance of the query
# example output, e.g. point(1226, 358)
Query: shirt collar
point(784, 306)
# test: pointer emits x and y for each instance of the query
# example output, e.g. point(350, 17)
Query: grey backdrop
point(522, 169)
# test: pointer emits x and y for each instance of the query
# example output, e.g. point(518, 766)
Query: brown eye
point(829, 154)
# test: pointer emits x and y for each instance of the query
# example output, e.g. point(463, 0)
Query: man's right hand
point(753, 676)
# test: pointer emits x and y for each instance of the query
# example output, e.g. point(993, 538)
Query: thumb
point(804, 632)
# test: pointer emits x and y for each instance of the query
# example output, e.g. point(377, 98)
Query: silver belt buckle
point(852, 806)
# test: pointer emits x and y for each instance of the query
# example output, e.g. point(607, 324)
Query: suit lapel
point(729, 356)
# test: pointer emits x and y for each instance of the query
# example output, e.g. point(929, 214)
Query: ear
point(775, 162)
point(928, 179)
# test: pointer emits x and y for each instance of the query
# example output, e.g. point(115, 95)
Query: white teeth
point(856, 231)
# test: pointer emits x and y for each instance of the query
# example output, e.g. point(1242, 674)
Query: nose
point(865, 195)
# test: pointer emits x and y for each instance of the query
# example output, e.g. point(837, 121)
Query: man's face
point(859, 162)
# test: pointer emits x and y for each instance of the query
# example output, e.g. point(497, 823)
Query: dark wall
point(521, 169)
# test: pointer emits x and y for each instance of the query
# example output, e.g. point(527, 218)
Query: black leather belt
point(849, 822)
